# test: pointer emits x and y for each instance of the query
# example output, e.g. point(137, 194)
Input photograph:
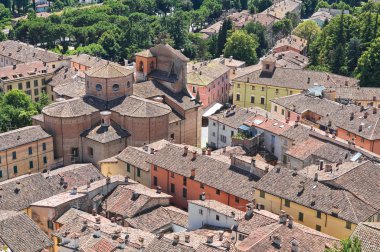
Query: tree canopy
point(242, 46)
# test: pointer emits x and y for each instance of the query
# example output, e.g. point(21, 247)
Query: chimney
point(361, 108)
point(194, 155)
point(108, 180)
point(321, 163)
point(187, 238)
point(328, 168)
point(316, 176)
point(277, 239)
point(97, 220)
point(249, 213)
point(62, 180)
point(151, 151)
point(126, 179)
point(121, 243)
point(94, 213)
point(220, 235)
point(328, 77)
point(210, 238)
point(346, 83)
point(290, 222)
point(374, 98)
point(209, 152)
point(73, 191)
point(158, 189)
point(360, 127)
point(203, 152)
point(231, 58)
point(176, 239)
point(185, 150)
point(282, 217)
point(193, 172)
point(365, 114)
point(105, 118)
point(374, 111)
point(200, 72)
point(203, 196)
point(96, 233)
point(295, 245)
point(352, 116)
point(14, 66)
point(113, 219)
point(308, 80)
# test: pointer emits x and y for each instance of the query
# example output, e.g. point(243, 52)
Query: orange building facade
point(184, 188)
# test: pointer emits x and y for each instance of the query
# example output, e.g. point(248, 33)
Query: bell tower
point(146, 62)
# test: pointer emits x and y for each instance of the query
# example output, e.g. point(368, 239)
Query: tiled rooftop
point(21, 136)
point(21, 234)
point(204, 73)
point(105, 134)
point(369, 235)
point(292, 41)
point(108, 70)
point(23, 71)
point(87, 60)
point(218, 207)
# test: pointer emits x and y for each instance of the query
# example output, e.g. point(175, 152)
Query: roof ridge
point(352, 208)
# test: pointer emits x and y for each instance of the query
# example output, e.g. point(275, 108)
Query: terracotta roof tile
point(369, 235)
point(108, 70)
point(21, 136)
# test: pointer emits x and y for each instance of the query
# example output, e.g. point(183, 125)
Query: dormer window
point(98, 87)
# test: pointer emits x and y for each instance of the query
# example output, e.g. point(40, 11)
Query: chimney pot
point(151, 151)
point(176, 239)
point(97, 220)
point(203, 196)
point(203, 152)
point(220, 234)
point(158, 189)
point(185, 150)
point(193, 172)
point(94, 213)
point(194, 155)
point(210, 238)
point(187, 238)
point(105, 118)
point(209, 152)
point(316, 176)
point(108, 180)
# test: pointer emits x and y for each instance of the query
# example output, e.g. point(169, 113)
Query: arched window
point(128, 84)
point(115, 87)
point(141, 66)
point(98, 87)
point(151, 65)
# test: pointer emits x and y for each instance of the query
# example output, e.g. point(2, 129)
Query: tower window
point(115, 87)
point(128, 84)
point(98, 87)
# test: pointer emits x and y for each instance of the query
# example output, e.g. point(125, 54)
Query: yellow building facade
point(115, 166)
point(309, 217)
point(250, 94)
point(22, 157)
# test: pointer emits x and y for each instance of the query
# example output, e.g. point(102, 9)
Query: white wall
point(268, 143)
point(208, 217)
point(215, 131)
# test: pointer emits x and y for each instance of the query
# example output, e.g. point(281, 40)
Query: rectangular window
point(172, 174)
point(45, 160)
point(262, 88)
point(1, 173)
point(202, 186)
point(223, 139)
point(35, 83)
point(238, 97)
point(318, 228)
point(138, 172)
point(128, 167)
point(287, 203)
point(28, 84)
point(28, 92)
point(36, 91)
point(217, 217)
point(30, 150)
point(237, 200)
point(291, 92)
point(155, 167)
point(238, 85)
point(319, 214)
point(232, 133)
point(15, 170)
point(200, 212)
point(14, 155)
point(253, 87)
point(184, 181)
point(348, 225)
point(50, 224)
point(300, 216)
point(218, 191)
point(262, 194)
point(194, 89)
point(44, 146)
point(9, 87)
point(30, 164)
point(252, 99)
point(277, 91)
point(184, 192)
point(155, 182)
point(20, 86)
point(44, 81)
point(275, 108)
point(262, 100)
point(172, 188)
point(224, 127)
point(282, 112)
point(90, 151)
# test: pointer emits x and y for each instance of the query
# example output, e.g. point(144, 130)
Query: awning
point(244, 128)
point(212, 109)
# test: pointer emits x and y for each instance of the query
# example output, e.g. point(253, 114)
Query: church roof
point(108, 70)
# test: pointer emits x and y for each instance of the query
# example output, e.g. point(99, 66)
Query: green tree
point(260, 32)
point(242, 46)
point(368, 69)
point(307, 29)
point(109, 43)
point(222, 35)
point(354, 51)
point(16, 110)
point(5, 14)
point(259, 5)
point(348, 245)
